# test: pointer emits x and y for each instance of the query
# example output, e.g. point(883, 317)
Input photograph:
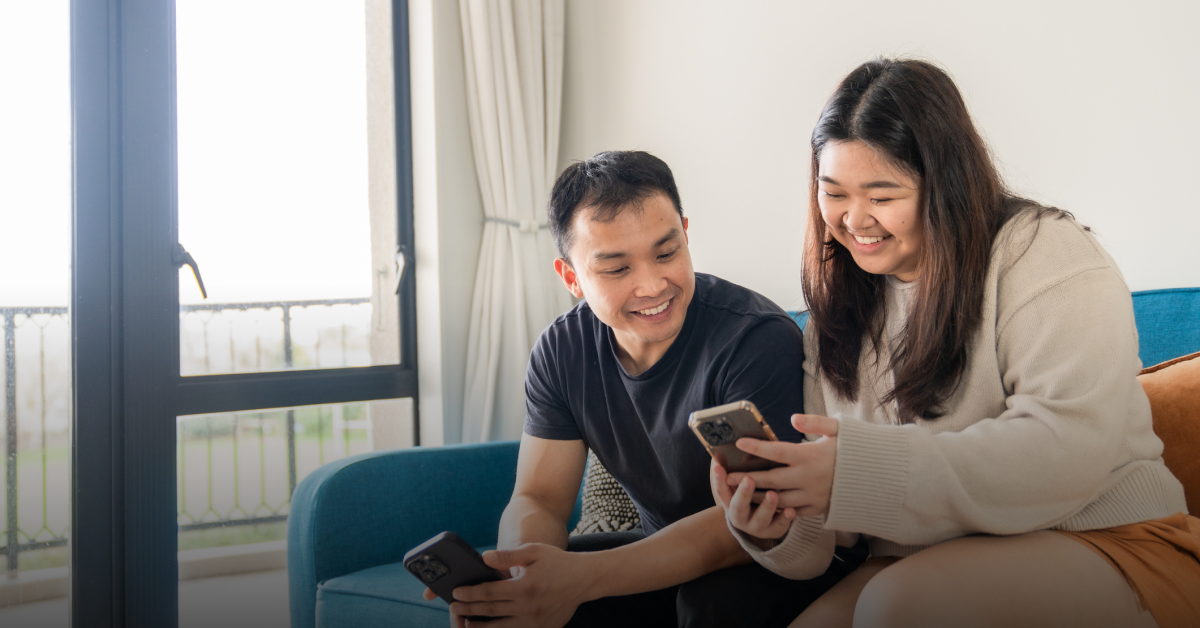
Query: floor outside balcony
point(257, 599)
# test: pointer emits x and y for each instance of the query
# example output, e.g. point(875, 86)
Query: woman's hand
point(806, 483)
point(764, 521)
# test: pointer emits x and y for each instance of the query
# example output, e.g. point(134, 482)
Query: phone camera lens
point(428, 568)
point(718, 433)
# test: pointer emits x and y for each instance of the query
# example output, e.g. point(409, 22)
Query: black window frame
point(124, 313)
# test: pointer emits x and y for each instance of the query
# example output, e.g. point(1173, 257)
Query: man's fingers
point(815, 424)
point(483, 609)
point(501, 590)
point(498, 622)
point(504, 559)
point(428, 594)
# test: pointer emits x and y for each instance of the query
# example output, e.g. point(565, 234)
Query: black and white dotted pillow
point(606, 506)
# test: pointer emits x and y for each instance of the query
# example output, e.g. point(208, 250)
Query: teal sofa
point(353, 520)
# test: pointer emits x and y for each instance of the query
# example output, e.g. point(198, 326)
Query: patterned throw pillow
point(606, 506)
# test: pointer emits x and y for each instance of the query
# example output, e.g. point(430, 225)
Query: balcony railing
point(234, 469)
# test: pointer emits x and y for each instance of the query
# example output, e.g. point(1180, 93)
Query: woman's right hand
point(762, 521)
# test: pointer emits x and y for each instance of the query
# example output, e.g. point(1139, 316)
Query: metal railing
point(250, 439)
point(13, 532)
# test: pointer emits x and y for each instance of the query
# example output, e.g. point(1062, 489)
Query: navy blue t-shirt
point(735, 344)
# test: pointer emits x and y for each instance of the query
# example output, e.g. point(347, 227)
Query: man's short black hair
point(607, 183)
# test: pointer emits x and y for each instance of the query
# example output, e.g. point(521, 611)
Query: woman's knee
point(893, 599)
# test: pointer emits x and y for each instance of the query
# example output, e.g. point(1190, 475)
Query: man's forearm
point(681, 552)
point(526, 520)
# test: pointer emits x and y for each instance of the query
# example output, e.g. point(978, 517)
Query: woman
point(970, 386)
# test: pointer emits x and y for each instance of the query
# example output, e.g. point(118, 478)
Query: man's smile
point(654, 310)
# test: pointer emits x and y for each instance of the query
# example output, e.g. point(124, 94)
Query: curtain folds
point(514, 58)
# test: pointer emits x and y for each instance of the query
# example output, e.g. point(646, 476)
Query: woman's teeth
point(654, 310)
point(868, 240)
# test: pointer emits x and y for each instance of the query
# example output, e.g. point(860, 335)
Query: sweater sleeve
point(804, 553)
point(1071, 397)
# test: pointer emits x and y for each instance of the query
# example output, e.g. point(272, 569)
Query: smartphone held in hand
point(447, 562)
point(719, 429)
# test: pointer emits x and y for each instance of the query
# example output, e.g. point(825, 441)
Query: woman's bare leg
point(1030, 580)
point(835, 609)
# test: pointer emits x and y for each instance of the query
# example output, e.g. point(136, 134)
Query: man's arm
point(548, 476)
point(681, 552)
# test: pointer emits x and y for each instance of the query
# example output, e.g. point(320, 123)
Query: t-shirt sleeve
point(547, 414)
point(766, 368)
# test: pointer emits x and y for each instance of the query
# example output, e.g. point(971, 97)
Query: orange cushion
point(1174, 391)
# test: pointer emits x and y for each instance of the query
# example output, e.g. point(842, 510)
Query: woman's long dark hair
point(911, 112)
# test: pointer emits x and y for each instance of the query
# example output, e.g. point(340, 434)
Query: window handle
point(181, 257)
point(401, 258)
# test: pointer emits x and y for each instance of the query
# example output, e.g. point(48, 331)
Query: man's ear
point(685, 236)
point(569, 279)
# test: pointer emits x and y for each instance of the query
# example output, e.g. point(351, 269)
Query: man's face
point(635, 272)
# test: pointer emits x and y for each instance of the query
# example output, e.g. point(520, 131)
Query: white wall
point(447, 214)
point(1090, 106)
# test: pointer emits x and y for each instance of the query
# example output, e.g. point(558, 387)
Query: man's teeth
point(868, 240)
point(654, 310)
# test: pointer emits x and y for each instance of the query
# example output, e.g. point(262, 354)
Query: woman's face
point(872, 208)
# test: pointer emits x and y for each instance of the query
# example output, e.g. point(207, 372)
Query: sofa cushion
point(379, 596)
point(1174, 391)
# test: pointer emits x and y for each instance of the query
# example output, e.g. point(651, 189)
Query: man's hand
point(806, 483)
point(548, 584)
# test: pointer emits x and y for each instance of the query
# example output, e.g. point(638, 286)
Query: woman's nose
point(858, 217)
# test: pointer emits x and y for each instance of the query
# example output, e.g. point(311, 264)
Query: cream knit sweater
point(1048, 429)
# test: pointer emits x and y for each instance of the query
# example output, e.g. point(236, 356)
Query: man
point(619, 374)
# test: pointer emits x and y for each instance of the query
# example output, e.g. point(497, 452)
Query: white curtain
point(513, 53)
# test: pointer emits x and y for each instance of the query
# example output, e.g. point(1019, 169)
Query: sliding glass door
point(243, 296)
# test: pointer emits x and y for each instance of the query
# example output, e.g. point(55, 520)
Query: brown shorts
point(1160, 560)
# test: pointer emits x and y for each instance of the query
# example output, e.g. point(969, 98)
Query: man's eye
point(667, 255)
point(616, 271)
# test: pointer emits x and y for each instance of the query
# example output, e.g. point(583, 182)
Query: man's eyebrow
point(870, 185)
point(603, 256)
point(671, 235)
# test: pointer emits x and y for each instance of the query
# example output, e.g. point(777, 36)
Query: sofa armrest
point(370, 509)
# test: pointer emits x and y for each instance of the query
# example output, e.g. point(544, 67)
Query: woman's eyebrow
point(880, 184)
point(866, 186)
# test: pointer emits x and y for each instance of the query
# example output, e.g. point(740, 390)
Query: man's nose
point(650, 281)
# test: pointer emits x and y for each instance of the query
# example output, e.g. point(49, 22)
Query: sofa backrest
point(1168, 323)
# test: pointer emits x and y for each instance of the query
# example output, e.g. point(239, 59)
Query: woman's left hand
point(806, 483)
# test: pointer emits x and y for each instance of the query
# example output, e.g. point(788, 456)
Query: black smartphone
point(720, 427)
point(446, 562)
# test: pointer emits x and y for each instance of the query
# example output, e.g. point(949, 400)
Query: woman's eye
point(832, 195)
point(876, 201)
